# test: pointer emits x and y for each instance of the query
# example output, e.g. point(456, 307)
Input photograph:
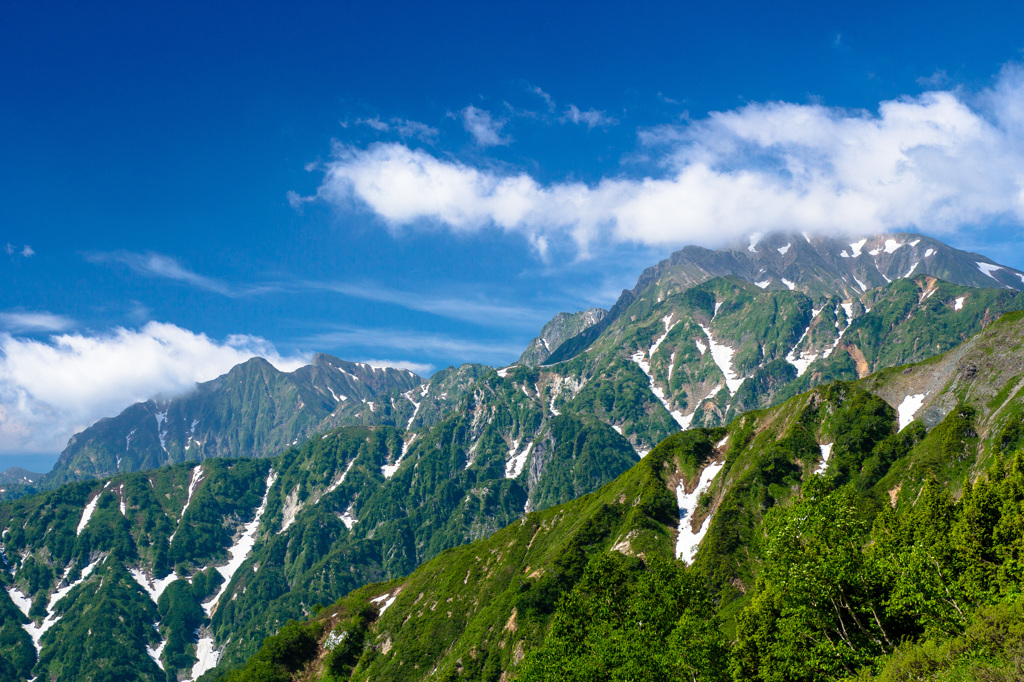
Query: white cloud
point(26, 250)
point(485, 130)
point(545, 96)
point(19, 321)
point(591, 117)
point(421, 368)
point(940, 162)
point(404, 127)
point(49, 390)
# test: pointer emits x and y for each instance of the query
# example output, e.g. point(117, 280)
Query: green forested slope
point(900, 560)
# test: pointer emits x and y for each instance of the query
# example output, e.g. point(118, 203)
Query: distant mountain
point(162, 574)
point(254, 410)
point(18, 476)
point(417, 468)
point(562, 327)
point(816, 266)
point(842, 500)
point(683, 347)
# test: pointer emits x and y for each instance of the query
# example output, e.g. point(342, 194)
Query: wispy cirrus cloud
point(941, 161)
point(477, 311)
point(404, 127)
point(167, 267)
point(34, 321)
point(431, 344)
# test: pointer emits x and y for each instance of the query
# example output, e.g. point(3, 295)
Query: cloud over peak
point(939, 161)
point(51, 389)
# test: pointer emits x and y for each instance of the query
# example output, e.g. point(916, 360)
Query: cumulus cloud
point(590, 118)
point(51, 389)
point(486, 131)
point(939, 161)
point(27, 251)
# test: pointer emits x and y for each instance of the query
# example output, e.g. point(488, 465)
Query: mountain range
point(363, 474)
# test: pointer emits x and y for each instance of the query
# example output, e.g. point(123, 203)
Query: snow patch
point(863, 287)
point(857, 246)
point(645, 367)
point(87, 514)
point(161, 432)
point(238, 553)
point(347, 517)
point(514, 466)
point(929, 253)
point(389, 469)
point(764, 284)
point(689, 540)
point(415, 411)
point(908, 408)
point(914, 243)
point(195, 478)
point(803, 360)
point(503, 372)
point(36, 631)
point(154, 588)
point(911, 270)
point(20, 600)
point(155, 653)
point(701, 347)
point(789, 284)
point(783, 249)
point(722, 355)
point(334, 486)
point(207, 656)
point(826, 452)
point(387, 599)
point(989, 268)
point(891, 245)
point(959, 303)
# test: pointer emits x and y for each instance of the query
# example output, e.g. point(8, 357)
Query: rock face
point(562, 327)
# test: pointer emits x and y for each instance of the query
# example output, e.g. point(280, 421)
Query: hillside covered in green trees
point(858, 531)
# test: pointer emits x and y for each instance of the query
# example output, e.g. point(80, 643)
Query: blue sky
point(185, 184)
